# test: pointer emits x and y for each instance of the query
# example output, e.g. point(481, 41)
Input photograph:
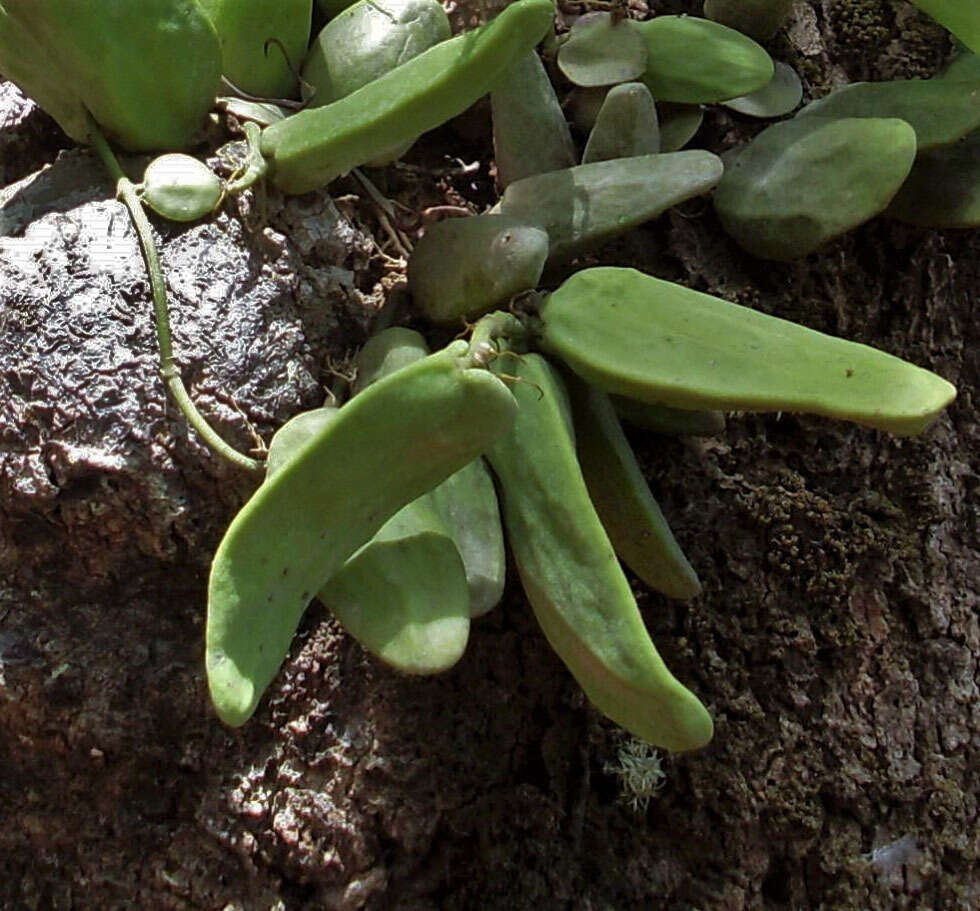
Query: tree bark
point(836, 642)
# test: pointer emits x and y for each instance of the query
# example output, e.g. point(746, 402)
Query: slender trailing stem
point(307, 91)
point(126, 192)
point(259, 99)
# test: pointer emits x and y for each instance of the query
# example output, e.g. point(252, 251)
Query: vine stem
point(126, 192)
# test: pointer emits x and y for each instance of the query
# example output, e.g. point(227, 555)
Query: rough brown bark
point(836, 642)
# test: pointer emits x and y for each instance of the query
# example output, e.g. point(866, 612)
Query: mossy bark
point(836, 641)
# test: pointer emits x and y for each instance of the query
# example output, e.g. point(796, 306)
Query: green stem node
point(496, 332)
point(255, 167)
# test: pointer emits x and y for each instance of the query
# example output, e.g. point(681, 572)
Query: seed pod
point(303, 524)
point(180, 187)
point(696, 61)
point(939, 110)
point(465, 267)
point(530, 134)
point(572, 578)
point(658, 342)
point(148, 72)
point(245, 30)
point(626, 126)
point(759, 19)
point(631, 516)
point(311, 148)
point(582, 207)
point(803, 182)
point(600, 52)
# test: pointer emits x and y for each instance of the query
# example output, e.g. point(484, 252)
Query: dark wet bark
point(836, 642)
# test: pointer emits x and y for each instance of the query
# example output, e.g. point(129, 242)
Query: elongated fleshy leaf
point(943, 190)
point(961, 17)
point(802, 182)
point(939, 110)
point(582, 207)
point(148, 72)
point(656, 341)
point(697, 61)
point(530, 133)
point(627, 125)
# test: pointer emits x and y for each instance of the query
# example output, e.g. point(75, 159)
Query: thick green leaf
point(800, 183)
point(679, 123)
point(600, 51)
point(939, 110)
point(943, 190)
point(659, 342)
point(530, 133)
point(465, 267)
point(961, 17)
point(367, 40)
point(24, 61)
point(403, 596)
point(582, 207)
point(631, 516)
point(697, 61)
point(148, 72)
point(313, 147)
point(780, 97)
point(626, 126)
point(245, 29)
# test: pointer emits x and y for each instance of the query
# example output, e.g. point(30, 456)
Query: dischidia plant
point(384, 507)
